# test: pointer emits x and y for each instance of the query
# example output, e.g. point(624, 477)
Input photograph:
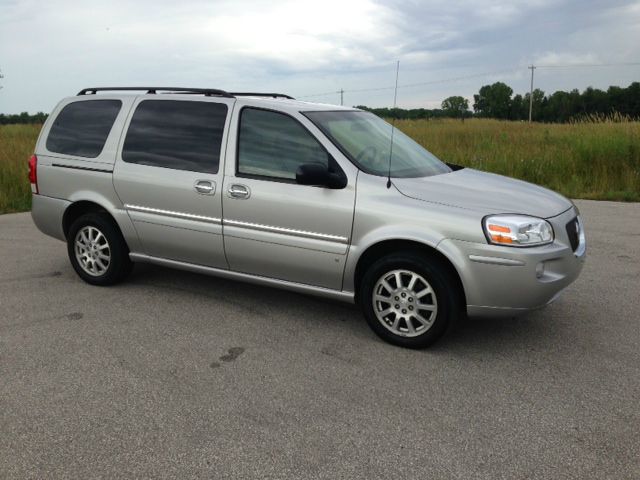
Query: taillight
point(33, 173)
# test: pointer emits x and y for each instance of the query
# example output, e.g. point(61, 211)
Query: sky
point(312, 49)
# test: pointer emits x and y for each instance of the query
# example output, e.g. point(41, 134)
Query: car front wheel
point(410, 299)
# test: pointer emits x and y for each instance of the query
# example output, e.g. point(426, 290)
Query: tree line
point(494, 101)
point(24, 117)
point(497, 101)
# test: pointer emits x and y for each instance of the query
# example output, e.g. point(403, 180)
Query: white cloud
point(51, 49)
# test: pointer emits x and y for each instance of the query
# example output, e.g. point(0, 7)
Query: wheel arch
point(79, 208)
point(388, 246)
point(95, 201)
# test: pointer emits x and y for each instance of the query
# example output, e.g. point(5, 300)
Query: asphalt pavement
point(178, 375)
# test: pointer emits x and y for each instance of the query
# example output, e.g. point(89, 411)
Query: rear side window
point(81, 128)
point(182, 135)
point(272, 144)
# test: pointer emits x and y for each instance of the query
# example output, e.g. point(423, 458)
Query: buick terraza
point(317, 199)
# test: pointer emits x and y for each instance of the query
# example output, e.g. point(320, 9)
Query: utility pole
point(532, 68)
point(341, 97)
point(1, 77)
point(395, 93)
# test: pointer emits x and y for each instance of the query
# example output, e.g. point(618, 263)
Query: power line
point(453, 79)
point(466, 77)
point(410, 85)
point(578, 65)
point(333, 92)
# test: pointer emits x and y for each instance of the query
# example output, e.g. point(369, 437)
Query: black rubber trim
point(573, 233)
point(204, 91)
point(454, 167)
point(257, 94)
point(152, 90)
point(88, 169)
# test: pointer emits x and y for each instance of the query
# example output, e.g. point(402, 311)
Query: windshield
point(366, 140)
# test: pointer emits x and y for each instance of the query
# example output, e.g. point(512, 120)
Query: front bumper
point(507, 281)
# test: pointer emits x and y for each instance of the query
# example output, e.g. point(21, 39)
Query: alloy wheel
point(404, 303)
point(92, 251)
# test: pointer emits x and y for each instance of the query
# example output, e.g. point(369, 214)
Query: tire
point(97, 250)
point(393, 313)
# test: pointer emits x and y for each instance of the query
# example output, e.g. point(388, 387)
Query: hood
point(487, 193)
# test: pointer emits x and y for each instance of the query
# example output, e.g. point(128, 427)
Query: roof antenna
point(393, 124)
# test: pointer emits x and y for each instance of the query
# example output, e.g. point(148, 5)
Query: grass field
point(16, 146)
point(598, 161)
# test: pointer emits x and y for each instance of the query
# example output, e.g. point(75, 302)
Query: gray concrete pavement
point(176, 375)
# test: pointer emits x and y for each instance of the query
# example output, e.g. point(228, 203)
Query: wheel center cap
point(403, 299)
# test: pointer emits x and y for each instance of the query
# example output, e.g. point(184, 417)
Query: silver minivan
point(317, 199)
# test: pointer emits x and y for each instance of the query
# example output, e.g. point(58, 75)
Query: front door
point(168, 174)
point(274, 227)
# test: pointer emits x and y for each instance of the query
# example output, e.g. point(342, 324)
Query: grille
point(573, 231)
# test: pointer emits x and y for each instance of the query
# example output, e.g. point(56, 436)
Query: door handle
point(239, 191)
point(205, 187)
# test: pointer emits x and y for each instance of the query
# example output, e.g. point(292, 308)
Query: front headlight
point(517, 230)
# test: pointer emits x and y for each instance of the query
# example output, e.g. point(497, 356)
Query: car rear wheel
point(97, 251)
point(410, 299)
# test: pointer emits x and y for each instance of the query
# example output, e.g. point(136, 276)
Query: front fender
point(423, 236)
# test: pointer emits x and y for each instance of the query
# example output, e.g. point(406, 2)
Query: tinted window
point(182, 135)
point(272, 144)
point(82, 128)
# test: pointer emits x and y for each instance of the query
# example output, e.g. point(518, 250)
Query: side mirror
point(318, 175)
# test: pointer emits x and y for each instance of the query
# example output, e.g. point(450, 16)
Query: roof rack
point(205, 91)
point(202, 91)
point(255, 94)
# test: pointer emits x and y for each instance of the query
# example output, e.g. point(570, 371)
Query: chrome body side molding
point(235, 223)
point(507, 262)
point(287, 231)
point(170, 213)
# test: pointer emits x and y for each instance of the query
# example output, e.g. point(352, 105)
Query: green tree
point(595, 100)
point(456, 107)
point(518, 110)
point(493, 101)
point(633, 99)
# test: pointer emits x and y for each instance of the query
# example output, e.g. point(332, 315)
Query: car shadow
point(250, 297)
point(531, 331)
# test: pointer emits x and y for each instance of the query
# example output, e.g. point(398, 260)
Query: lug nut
point(397, 298)
point(410, 307)
point(397, 306)
point(404, 295)
point(404, 311)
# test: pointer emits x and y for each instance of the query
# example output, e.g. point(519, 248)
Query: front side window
point(272, 144)
point(367, 140)
point(81, 128)
point(182, 135)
